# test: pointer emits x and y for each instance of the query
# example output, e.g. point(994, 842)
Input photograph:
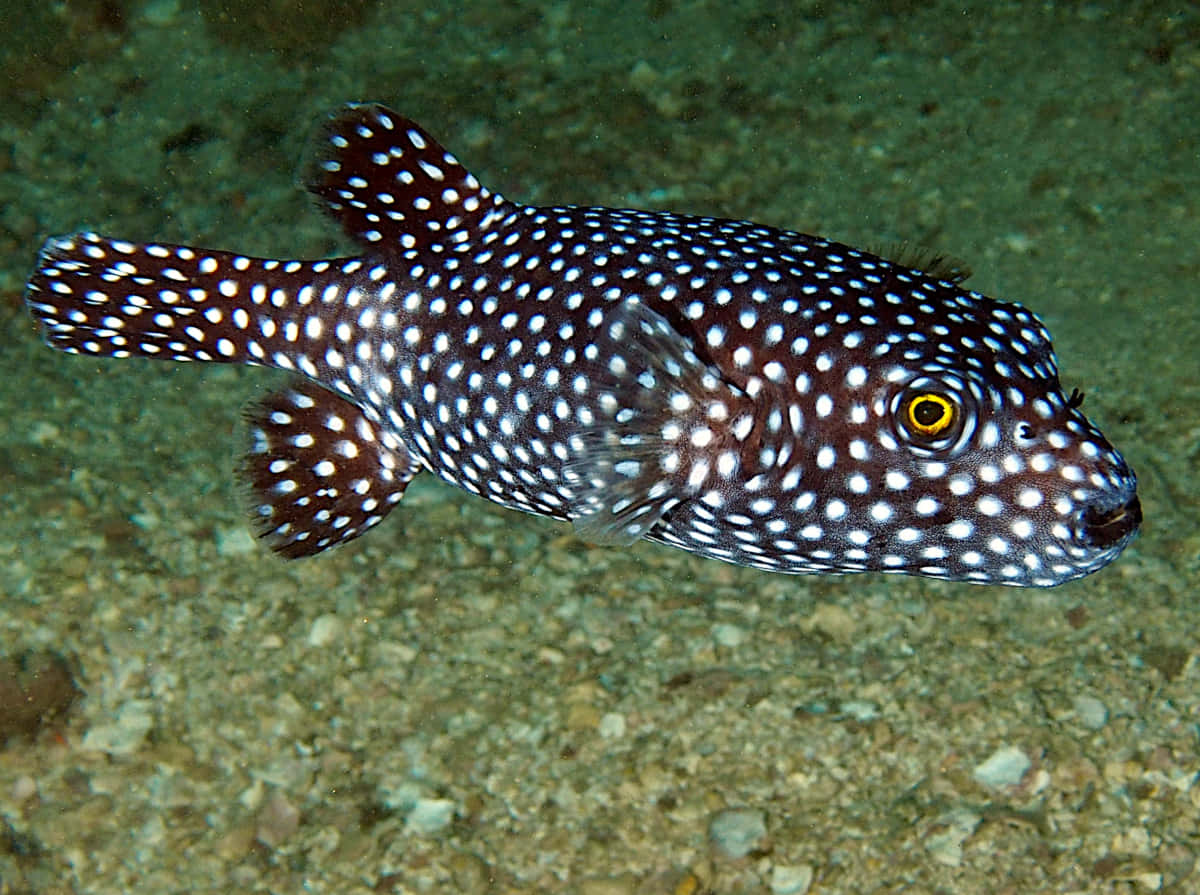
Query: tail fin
point(107, 297)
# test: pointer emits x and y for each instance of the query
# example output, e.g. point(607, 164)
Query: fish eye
point(929, 414)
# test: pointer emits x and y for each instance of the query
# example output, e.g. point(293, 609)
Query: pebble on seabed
point(787, 880)
point(325, 630)
point(1004, 767)
point(1091, 712)
point(430, 815)
point(738, 831)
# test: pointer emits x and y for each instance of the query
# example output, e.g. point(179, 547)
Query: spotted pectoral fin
point(319, 471)
point(661, 411)
point(622, 494)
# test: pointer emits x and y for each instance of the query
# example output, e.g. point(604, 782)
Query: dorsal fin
point(393, 187)
point(939, 265)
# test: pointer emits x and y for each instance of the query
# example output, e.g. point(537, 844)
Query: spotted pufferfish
point(754, 395)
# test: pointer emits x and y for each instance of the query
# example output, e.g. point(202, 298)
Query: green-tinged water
point(470, 699)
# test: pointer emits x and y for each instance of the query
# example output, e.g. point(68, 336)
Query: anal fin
point(319, 471)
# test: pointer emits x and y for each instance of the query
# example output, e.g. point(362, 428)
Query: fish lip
point(1106, 525)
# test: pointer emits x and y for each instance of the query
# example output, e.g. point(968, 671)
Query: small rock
point(831, 621)
point(787, 880)
point(1150, 881)
point(1134, 841)
point(252, 796)
point(235, 844)
point(643, 76)
point(612, 726)
point(1091, 712)
point(277, 821)
point(36, 687)
point(24, 788)
point(860, 710)
point(945, 842)
point(235, 541)
point(581, 716)
point(471, 873)
point(602, 645)
point(124, 734)
point(728, 635)
point(430, 816)
point(738, 831)
point(43, 434)
point(146, 521)
point(1005, 767)
point(161, 13)
point(326, 629)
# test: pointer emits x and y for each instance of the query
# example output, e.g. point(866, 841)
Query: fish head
point(977, 466)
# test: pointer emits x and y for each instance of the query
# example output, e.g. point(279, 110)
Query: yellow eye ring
point(930, 414)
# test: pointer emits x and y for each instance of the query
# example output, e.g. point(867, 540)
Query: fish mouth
point(1105, 527)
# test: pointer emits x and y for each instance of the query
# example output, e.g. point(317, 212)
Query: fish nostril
point(1105, 527)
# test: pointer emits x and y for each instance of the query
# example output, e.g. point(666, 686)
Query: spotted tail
point(319, 469)
point(112, 298)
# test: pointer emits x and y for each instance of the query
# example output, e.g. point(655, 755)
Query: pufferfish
point(754, 395)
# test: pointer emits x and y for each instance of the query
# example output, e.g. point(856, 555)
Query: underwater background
point(473, 700)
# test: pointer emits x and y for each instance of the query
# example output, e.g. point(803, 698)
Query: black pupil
point(928, 413)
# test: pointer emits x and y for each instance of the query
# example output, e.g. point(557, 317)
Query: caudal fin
point(109, 297)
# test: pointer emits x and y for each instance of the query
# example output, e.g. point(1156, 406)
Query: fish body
point(754, 395)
